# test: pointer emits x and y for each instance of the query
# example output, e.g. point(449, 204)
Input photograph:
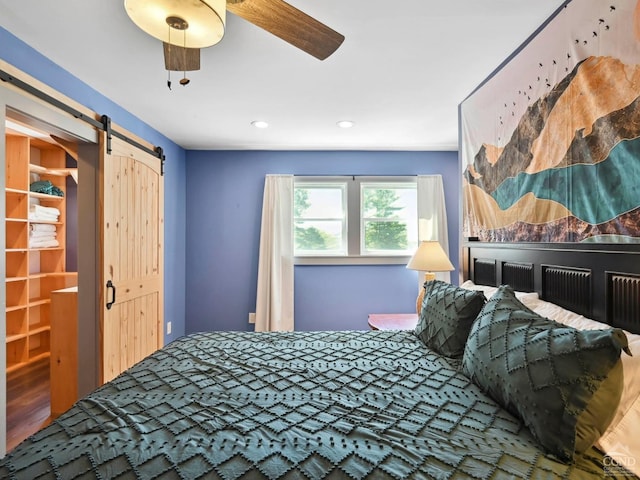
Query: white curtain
point(432, 216)
point(274, 302)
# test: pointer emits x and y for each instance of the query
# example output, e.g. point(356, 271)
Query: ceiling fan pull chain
point(185, 81)
point(169, 55)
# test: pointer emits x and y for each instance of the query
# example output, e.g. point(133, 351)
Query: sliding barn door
point(132, 217)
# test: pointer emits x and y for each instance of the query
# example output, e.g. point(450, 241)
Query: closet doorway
point(41, 247)
point(119, 234)
point(41, 261)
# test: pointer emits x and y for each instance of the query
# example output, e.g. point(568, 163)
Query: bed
point(353, 404)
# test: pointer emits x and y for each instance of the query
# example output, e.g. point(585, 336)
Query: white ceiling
point(400, 74)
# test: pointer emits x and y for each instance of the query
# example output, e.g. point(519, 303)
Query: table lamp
point(429, 258)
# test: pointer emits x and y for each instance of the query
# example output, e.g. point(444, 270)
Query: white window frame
point(353, 223)
point(330, 184)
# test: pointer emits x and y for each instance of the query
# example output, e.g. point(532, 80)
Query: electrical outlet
point(168, 328)
point(252, 317)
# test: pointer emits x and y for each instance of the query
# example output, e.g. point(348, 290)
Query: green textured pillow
point(544, 372)
point(599, 412)
point(446, 317)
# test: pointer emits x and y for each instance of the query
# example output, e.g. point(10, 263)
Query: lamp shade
point(203, 21)
point(430, 257)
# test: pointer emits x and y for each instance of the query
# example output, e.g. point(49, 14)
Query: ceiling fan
point(186, 26)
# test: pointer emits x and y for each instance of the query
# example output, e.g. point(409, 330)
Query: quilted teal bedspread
point(304, 405)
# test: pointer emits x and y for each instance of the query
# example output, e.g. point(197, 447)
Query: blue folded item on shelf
point(45, 186)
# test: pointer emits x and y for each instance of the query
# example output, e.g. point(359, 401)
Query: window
point(388, 219)
point(320, 218)
point(371, 218)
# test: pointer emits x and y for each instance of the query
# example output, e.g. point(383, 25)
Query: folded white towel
point(35, 217)
point(43, 235)
point(42, 227)
point(37, 243)
point(44, 210)
point(44, 214)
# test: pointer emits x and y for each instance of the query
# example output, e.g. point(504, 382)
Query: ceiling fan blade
point(290, 24)
point(181, 59)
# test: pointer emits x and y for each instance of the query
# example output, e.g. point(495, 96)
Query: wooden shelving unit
point(32, 273)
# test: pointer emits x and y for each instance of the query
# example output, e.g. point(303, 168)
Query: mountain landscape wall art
point(550, 144)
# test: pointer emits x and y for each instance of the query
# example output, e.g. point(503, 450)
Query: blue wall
point(213, 203)
point(224, 205)
point(22, 56)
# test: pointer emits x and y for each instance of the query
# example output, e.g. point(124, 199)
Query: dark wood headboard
point(599, 281)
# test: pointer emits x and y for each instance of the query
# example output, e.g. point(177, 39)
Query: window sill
point(352, 260)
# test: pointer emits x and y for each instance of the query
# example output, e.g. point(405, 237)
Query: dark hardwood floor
point(28, 401)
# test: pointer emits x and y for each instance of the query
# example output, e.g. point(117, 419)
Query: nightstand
point(393, 321)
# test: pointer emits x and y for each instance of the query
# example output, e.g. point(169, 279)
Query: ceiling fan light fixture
point(203, 19)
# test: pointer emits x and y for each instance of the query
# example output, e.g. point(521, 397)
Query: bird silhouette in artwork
point(548, 66)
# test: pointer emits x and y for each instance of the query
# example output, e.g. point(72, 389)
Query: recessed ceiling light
point(259, 124)
point(345, 124)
